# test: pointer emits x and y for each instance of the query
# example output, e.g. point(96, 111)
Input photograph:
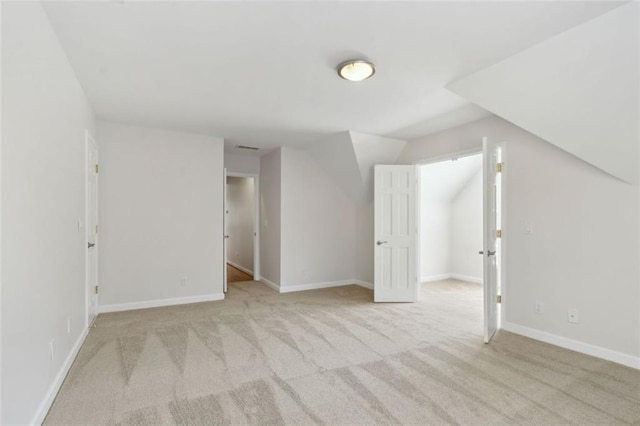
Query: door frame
point(502, 270)
point(256, 220)
point(89, 286)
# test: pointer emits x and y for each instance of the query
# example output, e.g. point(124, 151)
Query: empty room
point(231, 212)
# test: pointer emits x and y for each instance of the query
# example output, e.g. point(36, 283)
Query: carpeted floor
point(333, 357)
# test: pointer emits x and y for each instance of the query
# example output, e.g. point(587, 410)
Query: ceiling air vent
point(251, 148)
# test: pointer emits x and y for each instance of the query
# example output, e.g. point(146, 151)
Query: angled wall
point(371, 150)
point(577, 90)
point(349, 158)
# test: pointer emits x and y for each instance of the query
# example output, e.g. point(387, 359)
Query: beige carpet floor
point(333, 357)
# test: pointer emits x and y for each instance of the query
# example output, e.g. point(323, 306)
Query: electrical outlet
point(68, 324)
point(51, 349)
point(183, 280)
point(573, 316)
point(538, 307)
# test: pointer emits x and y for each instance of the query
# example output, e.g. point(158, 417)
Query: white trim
point(45, 405)
point(256, 223)
point(447, 157)
point(574, 345)
point(459, 277)
point(467, 278)
point(160, 302)
point(315, 286)
point(271, 284)
point(363, 284)
point(439, 277)
point(242, 268)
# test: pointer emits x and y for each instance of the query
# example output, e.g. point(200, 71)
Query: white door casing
point(490, 248)
point(256, 222)
point(91, 227)
point(225, 234)
point(395, 277)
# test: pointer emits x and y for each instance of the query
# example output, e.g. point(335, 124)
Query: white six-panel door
point(395, 234)
point(490, 200)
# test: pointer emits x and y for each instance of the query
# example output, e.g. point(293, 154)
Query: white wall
point(240, 221)
point(435, 240)
point(235, 163)
point(44, 117)
point(584, 249)
point(466, 231)
point(451, 219)
point(365, 243)
point(270, 215)
point(318, 224)
point(160, 215)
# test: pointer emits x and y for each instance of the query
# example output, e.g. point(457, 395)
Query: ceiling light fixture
point(356, 70)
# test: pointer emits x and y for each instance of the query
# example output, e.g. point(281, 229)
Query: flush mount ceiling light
point(356, 70)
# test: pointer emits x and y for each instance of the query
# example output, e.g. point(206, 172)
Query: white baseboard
point(574, 345)
point(327, 284)
point(431, 278)
point(467, 278)
point(159, 303)
point(459, 277)
point(314, 286)
point(363, 284)
point(45, 405)
point(242, 268)
point(271, 284)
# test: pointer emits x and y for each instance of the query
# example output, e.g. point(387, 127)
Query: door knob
point(381, 242)
point(489, 253)
point(89, 245)
point(481, 252)
point(226, 236)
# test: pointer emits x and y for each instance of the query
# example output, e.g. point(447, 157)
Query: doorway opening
point(242, 255)
point(452, 255)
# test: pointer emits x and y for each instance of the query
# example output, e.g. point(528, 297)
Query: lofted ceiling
point(263, 73)
point(441, 182)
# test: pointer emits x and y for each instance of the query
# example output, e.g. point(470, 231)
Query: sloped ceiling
point(371, 150)
point(262, 73)
point(441, 182)
point(349, 157)
point(577, 90)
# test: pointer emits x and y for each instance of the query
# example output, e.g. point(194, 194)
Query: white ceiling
point(587, 79)
point(263, 73)
point(443, 181)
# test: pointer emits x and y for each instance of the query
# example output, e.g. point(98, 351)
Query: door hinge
point(498, 233)
point(499, 167)
point(499, 298)
point(96, 229)
point(97, 168)
point(96, 289)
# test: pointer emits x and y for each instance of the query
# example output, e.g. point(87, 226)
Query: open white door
point(224, 228)
point(395, 234)
point(490, 199)
point(91, 228)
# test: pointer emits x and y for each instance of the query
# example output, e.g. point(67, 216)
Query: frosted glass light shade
point(356, 70)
